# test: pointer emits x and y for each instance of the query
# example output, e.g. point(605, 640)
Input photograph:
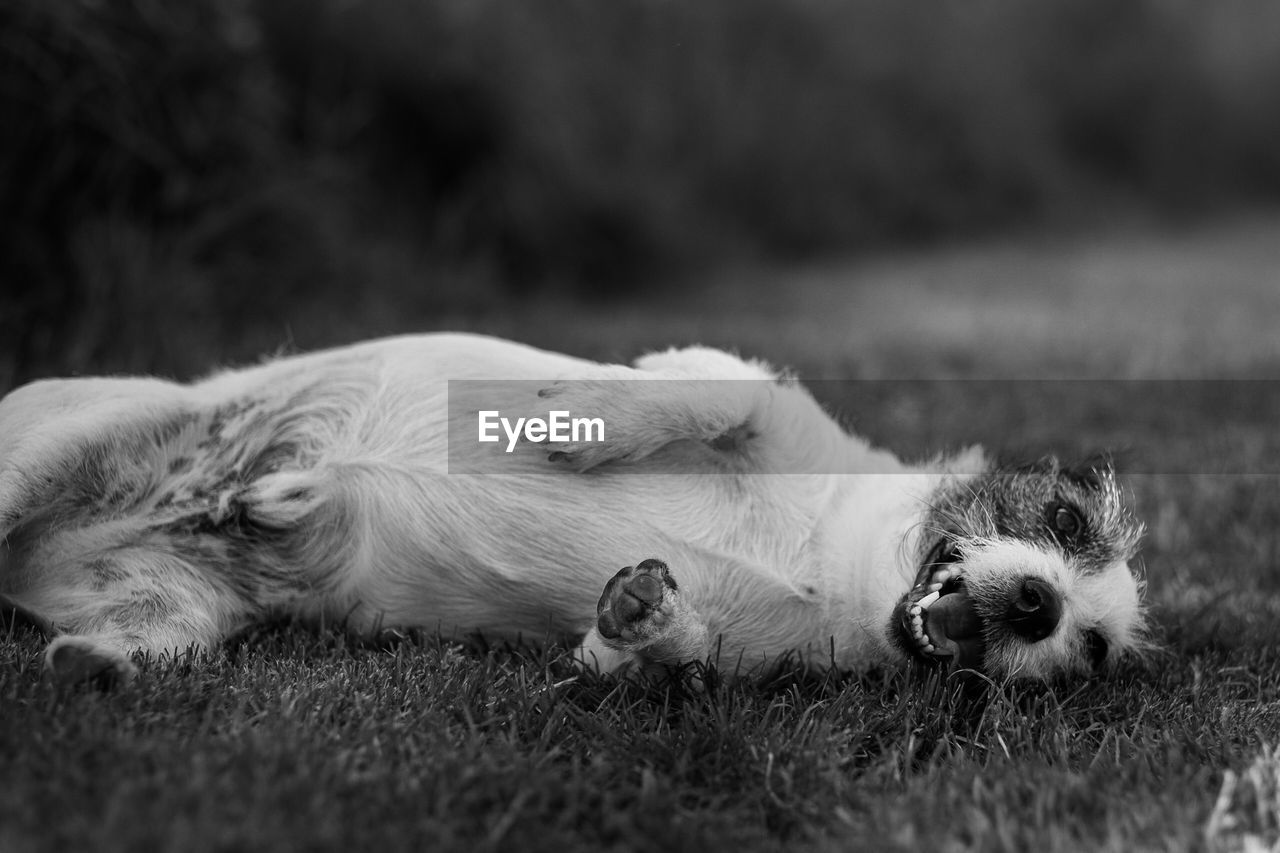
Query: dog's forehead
point(1036, 485)
point(1008, 494)
point(1019, 500)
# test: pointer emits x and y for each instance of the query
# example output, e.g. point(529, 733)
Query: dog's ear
point(1090, 472)
point(1020, 462)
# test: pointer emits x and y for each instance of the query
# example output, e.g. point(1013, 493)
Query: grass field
point(296, 739)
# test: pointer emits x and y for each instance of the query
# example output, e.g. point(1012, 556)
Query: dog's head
point(1024, 572)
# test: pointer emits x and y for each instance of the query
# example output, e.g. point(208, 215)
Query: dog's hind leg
point(149, 597)
point(97, 659)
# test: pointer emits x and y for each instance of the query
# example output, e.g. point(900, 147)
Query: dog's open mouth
point(938, 618)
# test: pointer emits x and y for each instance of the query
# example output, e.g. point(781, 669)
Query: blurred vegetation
point(182, 181)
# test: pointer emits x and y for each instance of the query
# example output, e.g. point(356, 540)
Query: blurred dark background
point(188, 183)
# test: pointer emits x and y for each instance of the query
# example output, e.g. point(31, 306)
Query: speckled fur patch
point(175, 491)
point(1019, 501)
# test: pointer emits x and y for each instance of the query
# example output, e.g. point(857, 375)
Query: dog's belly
point(530, 555)
point(463, 537)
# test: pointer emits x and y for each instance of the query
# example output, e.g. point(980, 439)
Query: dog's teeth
point(928, 648)
point(924, 603)
point(914, 610)
point(933, 587)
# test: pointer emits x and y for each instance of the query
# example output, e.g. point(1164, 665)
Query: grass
point(299, 742)
point(298, 739)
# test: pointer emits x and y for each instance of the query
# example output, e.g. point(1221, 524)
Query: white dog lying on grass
point(360, 484)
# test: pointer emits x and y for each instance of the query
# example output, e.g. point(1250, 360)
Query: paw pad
point(634, 599)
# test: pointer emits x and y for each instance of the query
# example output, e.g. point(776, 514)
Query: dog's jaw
point(935, 621)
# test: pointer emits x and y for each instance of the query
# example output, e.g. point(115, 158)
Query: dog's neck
point(876, 534)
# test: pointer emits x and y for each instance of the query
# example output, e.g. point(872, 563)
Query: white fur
point(1106, 601)
point(797, 538)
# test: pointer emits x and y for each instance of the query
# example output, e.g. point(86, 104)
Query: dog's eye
point(1095, 648)
point(1066, 522)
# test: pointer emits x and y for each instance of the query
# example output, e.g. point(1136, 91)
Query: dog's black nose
point(1034, 612)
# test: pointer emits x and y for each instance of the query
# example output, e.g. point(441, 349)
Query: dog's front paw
point(581, 456)
point(588, 408)
point(637, 604)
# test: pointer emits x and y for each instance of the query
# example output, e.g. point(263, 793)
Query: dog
point(384, 484)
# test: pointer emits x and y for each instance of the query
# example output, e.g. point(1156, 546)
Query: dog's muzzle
point(940, 621)
point(937, 617)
